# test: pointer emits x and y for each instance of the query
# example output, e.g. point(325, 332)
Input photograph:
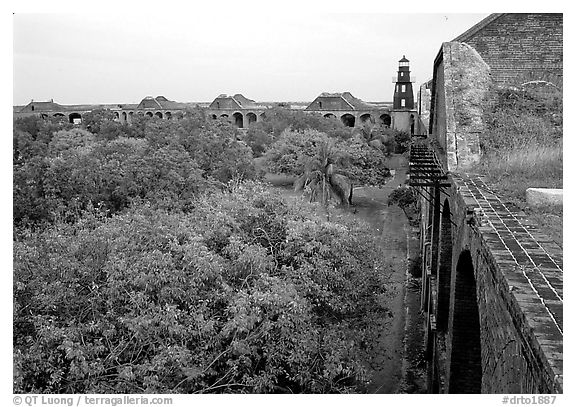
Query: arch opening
point(330, 116)
point(168, 115)
point(386, 119)
point(366, 118)
point(159, 115)
point(149, 114)
point(224, 116)
point(444, 272)
point(465, 374)
point(251, 118)
point(213, 116)
point(238, 120)
point(58, 114)
point(348, 120)
point(124, 117)
point(75, 118)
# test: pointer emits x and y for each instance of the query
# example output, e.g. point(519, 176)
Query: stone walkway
point(531, 263)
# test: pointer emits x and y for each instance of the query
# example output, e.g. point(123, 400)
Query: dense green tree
point(96, 119)
point(354, 157)
point(165, 162)
point(278, 119)
point(258, 139)
point(244, 294)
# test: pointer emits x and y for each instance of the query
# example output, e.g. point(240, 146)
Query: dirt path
point(391, 226)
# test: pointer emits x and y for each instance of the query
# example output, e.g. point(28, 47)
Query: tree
point(244, 294)
point(405, 197)
point(320, 177)
point(354, 158)
point(94, 120)
point(258, 139)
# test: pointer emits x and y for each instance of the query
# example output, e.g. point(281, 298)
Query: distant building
point(349, 109)
point(237, 108)
point(50, 109)
point(159, 103)
point(38, 107)
point(238, 101)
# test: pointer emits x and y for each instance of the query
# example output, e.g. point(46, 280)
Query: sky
point(194, 54)
point(290, 50)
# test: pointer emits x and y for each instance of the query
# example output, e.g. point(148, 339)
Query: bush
point(245, 294)
point(60, 174)
point(258, 139)
point(279, 119)
point(522, 118)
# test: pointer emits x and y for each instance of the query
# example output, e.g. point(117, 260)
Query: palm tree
point(320, 177)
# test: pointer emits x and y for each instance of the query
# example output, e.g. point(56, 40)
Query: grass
point(522, 149)
point(510, 173)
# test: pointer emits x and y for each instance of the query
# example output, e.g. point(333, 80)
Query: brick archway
point(465, 366)
point(444, 268)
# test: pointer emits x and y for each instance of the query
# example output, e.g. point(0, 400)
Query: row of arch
point(239, 119)
point(126, 117)
point(74, 118)
point(349, 120)
point(449, 297)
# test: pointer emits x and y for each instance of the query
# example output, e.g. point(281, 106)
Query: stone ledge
point(544, 197)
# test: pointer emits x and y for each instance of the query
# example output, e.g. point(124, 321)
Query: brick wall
point(486, 319)
point(521, 47)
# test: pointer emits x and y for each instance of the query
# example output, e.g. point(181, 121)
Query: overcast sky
point(188, 56)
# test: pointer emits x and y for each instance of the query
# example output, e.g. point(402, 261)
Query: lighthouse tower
point(403, 112)
point(403, 95)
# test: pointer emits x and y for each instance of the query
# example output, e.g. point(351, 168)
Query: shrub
point(244, 294)
point(522, 118)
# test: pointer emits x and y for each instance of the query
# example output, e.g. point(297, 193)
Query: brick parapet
point(525, 278)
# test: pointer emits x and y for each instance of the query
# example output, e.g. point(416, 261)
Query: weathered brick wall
point(510, 359)
point(521, 47)
point(513, 360)
point(438, 114)
point(461, 82)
